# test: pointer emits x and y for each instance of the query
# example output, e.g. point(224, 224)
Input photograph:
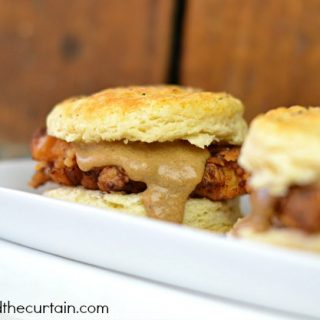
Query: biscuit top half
point(282, 149)
point(150, 114)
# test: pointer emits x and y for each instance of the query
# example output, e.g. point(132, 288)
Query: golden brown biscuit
point(216, 216)
point(282, 149)
point(149, 114)
point(289, 238)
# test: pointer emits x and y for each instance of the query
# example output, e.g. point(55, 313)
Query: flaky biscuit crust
point(289, 238)
point(218, 216)
point(282, 149)
point(149, 114)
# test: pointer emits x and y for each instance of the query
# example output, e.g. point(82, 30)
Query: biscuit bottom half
point(283, 237)
point(218, 216)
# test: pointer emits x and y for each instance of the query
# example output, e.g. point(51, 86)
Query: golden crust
point(149, 114)
point(283, 149)
point(288, 238)
point(199, 213)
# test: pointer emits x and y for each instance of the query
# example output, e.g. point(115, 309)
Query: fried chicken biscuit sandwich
point(166, 152)
point(282, 155)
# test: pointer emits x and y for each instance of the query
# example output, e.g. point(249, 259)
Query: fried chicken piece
point(223, 178)
point(113, 178)
point(300, 209)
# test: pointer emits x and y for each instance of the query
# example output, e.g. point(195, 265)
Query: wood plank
point(265, 52)
point(54, 49)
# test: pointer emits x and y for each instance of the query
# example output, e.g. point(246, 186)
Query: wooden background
point(266, 52)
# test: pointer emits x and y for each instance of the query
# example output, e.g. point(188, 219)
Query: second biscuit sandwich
point(282, 155)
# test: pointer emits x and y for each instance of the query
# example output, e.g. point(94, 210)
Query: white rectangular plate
point(194, 259)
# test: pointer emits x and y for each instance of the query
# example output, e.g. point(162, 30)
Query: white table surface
point(31, 277)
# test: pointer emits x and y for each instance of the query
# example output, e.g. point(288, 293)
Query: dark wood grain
point(267, 52)
point(53, 49)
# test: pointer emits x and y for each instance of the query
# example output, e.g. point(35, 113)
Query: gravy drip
point(171, 171)
point(262, 209)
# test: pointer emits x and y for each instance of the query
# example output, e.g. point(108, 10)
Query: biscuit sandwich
point(166, 152)
point(282, 155)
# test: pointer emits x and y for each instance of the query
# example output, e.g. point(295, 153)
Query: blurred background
point(266, 52)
